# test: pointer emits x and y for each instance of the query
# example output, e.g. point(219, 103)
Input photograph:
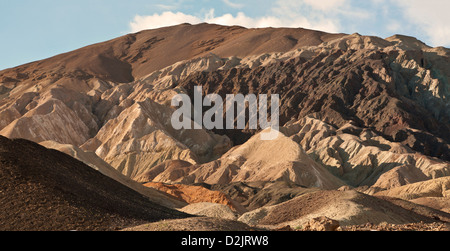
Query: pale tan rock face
point(257, 160)
point(52, 120)
point(400, 176)
point(346, 207)
point(438, 188)
point(127, 125)
point(362, 157)
point(141, 137)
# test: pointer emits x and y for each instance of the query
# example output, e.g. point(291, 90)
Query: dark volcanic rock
point(339, 86)
point(255, 195)
point(42, 189)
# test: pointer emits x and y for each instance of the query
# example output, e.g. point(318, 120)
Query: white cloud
point(326, 5)
point(233, 5)
point(431, 17)
point(393, 26)
point(169, 18)
point(324, 15)
point(166, 6)
point(325, 8)
point(428, 20)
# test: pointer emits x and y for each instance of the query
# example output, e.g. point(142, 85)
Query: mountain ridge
point(120, 54)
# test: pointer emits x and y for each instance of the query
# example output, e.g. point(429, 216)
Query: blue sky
point(36, 29)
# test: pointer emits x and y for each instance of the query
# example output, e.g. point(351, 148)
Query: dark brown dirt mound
point(42, 189)
point(311, 203)
point(300, 207)
point(425, 210)
point(259, 194)
point(442, 204)
point(194, 224)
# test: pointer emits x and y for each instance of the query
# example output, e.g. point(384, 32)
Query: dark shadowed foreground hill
point(42, 189)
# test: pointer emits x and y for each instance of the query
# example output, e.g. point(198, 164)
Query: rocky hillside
point(397, 87)
point(44, 189)
point(356, 112)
